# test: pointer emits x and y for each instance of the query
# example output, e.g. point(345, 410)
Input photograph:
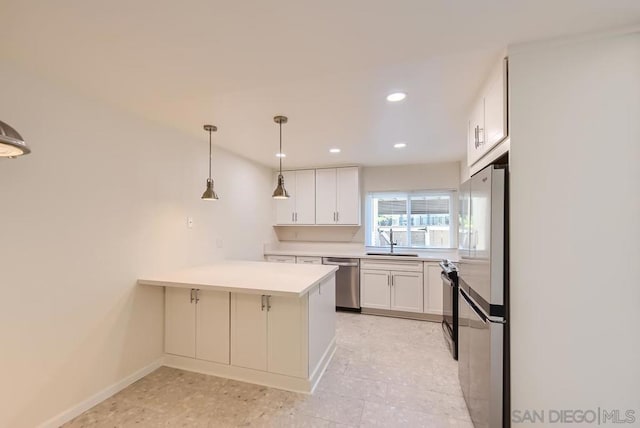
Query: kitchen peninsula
point(257, 322)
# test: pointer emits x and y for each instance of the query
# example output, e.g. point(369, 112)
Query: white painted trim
point(100, 396)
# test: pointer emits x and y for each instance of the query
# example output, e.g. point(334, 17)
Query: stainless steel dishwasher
point(347, 282)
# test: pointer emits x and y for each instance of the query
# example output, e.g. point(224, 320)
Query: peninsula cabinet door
point(248, 331)
point(180, 322)
point(287, 336)
point(212, 326)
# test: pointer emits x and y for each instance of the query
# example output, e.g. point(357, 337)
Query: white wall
point(102, 199)
point(575, 229)
point(435, 176)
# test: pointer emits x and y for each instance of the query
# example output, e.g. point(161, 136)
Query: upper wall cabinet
point(488, 124)
point(300, 208)
point(338, 196)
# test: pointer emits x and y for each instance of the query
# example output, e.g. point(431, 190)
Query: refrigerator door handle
point(484, 317)
point(474, 307)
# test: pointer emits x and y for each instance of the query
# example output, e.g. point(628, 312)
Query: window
point(420, 219)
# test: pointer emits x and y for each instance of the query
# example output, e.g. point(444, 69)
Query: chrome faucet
point(391, 243)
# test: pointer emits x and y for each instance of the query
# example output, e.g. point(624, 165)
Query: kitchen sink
point(392, 254)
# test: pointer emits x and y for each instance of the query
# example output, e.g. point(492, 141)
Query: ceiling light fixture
point(280, 192)
point(334, 150)
point(400, 145)
point(210, 194)
point(281, 155)
point(11, 143)
point(396, 96)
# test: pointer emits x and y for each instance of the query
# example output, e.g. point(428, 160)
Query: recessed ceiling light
point(334, 150)
point(281, 155)
point(396, 96)
point(400, 145)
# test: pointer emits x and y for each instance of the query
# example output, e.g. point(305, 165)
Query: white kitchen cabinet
point(322, 321)
point(488, 124)
point(432, 289)
point(391, 285)
point(406, 291)
point(300, 207)
point(375, 288)
point(309, 260)
point(475, 140)
point(197, 324)
point(287, 348)
point(269, 333)
point(281, 259)
point(495, 107)
point(249, 331)
point(338, 196)
point(180, 322)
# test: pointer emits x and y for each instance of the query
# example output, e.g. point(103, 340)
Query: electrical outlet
point(190, 222)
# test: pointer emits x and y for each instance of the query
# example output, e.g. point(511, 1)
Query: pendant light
point(11, 143)
point(210, 194)
point(280, 192)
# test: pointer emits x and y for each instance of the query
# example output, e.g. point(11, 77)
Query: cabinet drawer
point(281, 259)
point(395, 265)
point(309, 260)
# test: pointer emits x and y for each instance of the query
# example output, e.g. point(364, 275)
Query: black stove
point(449, 277)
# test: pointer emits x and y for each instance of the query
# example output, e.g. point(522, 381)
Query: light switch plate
point(190, 222)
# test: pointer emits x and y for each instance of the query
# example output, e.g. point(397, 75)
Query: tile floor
point(387, 372)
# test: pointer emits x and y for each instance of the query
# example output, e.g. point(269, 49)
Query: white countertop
point(279, 279)
point(361, 253)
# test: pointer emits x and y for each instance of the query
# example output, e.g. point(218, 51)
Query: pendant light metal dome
point(280, 192)
point(210, 194)
point(11, 143)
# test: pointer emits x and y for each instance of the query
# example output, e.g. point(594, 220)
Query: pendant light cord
point(209, 154)
point(280, 157)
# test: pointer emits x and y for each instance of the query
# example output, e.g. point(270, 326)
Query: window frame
point(408, 194)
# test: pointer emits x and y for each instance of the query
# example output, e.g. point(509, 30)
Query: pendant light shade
point(210, 194)
point(280, 192)
point(11, 143)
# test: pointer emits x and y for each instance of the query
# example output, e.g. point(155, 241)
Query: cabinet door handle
point(191, 295)
point(337, 215)
point(292, 217)
point(262, 302)
point(197, 295)
point(296, 217)
point(388, 280)
point(268, 303)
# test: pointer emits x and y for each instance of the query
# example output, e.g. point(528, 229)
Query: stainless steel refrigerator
point(482, 302)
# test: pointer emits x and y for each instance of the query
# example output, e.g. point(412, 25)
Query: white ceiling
point(328, 65)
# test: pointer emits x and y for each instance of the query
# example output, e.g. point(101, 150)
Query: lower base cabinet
point(322, 321)
point(289, 336)
point(197, 324)
point(387, 285)
point(268, 333)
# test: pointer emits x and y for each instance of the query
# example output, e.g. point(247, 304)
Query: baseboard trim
point(273, 380)
point(100, 396)
point(402, 314)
